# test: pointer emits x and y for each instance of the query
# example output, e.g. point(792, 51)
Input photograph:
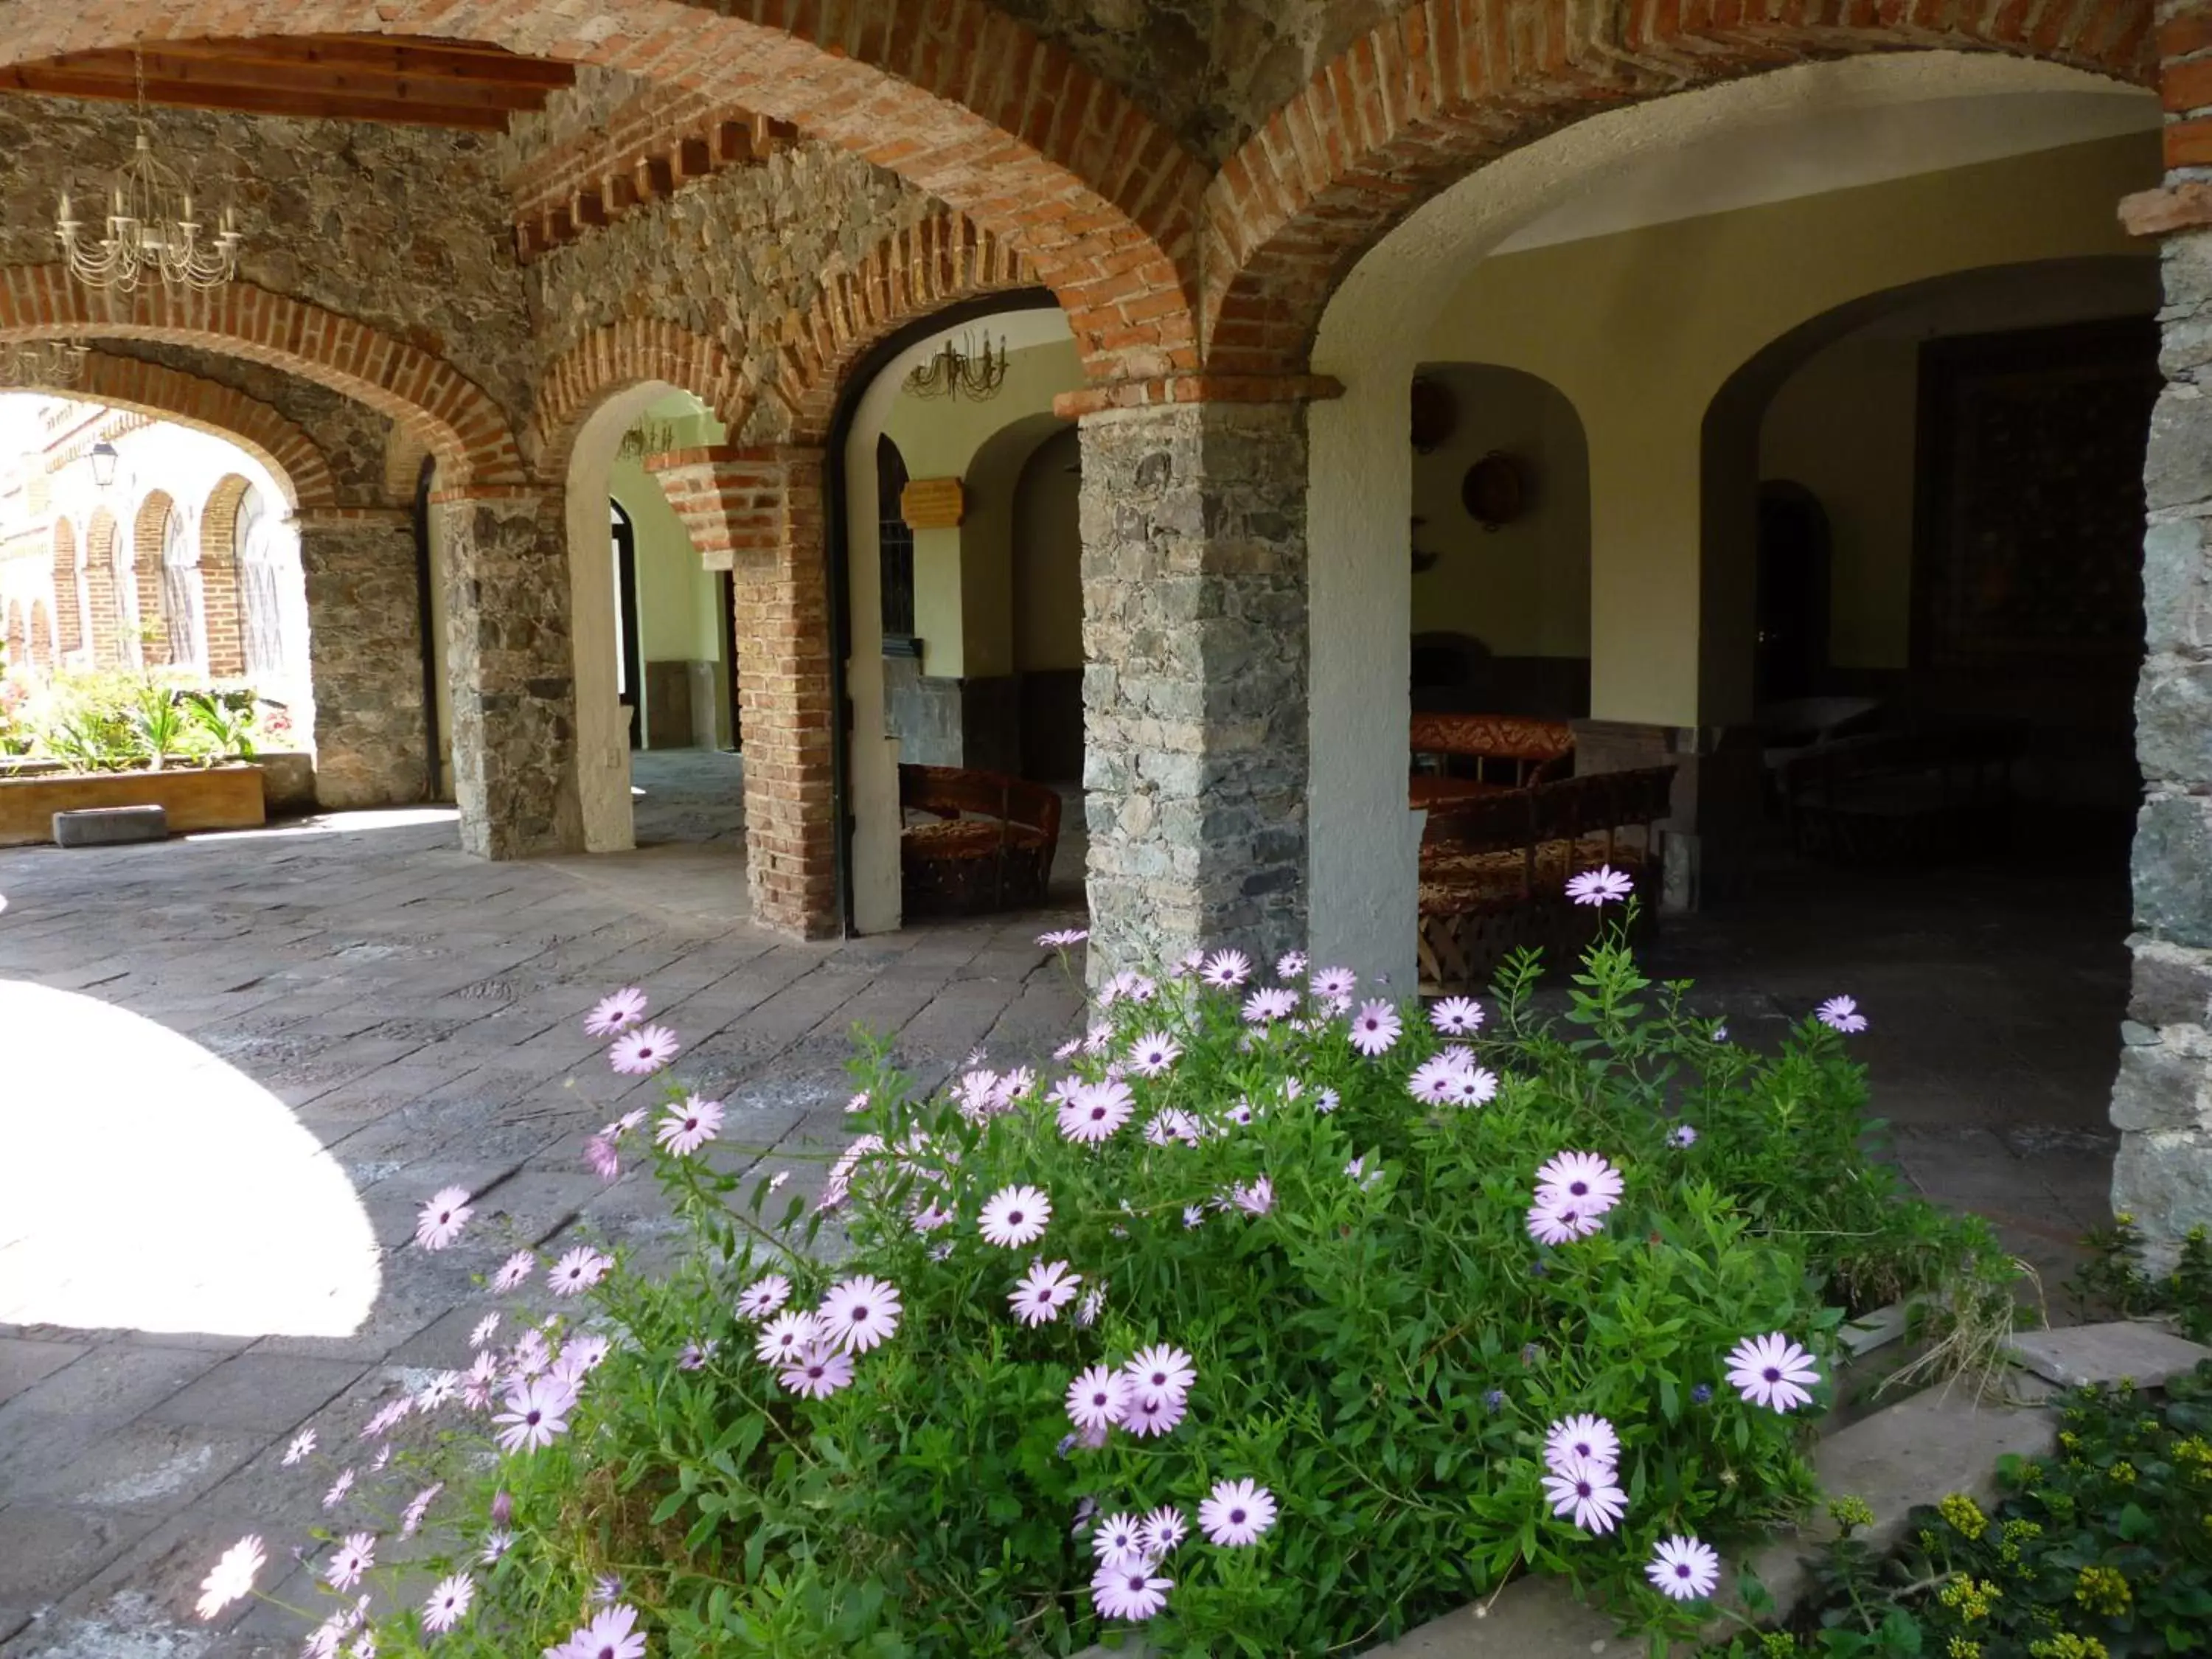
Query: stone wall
point(736, 257)
point(365, 652)
point(1194, 698)
point(2162, 1100)
point(404, 227)
point(1209, 70)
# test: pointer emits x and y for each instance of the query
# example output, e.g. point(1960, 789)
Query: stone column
point(2162, 1100)
point(364, 655)
point(514, 675)
point(1194, 691)
point(757, 513)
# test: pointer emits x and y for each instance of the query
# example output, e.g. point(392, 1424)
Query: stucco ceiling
point(1817, 147)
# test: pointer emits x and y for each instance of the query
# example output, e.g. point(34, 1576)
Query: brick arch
point(455, 417)
point(42, 635)
point(68, 590)
point(1446, 85)
point(623, 354)
point(19, 639)
point(295, 461)
point(955, 97)
point(924, 268)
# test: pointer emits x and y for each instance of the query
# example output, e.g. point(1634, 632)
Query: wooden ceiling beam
point(217, 75)
point(258, 100)
point(455, 61)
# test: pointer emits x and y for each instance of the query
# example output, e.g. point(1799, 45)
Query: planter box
point(217, 798)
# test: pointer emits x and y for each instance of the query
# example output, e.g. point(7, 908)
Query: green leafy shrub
point(120, 720)
point(2104, 1552)
point(2114, 1277)
point(1328, 1211)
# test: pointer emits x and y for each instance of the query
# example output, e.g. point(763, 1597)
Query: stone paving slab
point(24, 1360)
point(2149, 1356)
point(267, 1392)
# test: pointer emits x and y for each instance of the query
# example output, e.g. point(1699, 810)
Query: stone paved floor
point(232, 1037)
point(357, 1004)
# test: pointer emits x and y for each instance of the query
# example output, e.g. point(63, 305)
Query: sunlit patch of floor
point(146, 1185)
point(338, 824)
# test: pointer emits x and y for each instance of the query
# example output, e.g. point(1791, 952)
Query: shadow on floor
point(1993, 994)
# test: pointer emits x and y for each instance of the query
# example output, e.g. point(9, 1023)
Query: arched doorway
point(977, 545)
point(73, 630)
point(183, 596)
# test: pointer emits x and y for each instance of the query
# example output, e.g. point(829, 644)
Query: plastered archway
point(1382, 321)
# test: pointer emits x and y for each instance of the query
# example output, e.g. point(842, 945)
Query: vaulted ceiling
point(387, 78)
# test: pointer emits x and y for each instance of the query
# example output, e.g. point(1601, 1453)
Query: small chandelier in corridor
point(151, 227)
point(42, 366)
point(955, 371)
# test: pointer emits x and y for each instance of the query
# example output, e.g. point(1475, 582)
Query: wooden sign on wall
point(931, 504)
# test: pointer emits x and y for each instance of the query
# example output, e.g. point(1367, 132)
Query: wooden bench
point(1462, 757)
point(1494, 871)
point(990, 846)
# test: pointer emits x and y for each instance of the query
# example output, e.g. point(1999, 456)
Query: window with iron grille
point(896, 542)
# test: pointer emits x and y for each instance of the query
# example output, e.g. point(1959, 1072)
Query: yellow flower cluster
point(1965, 1514)
point(2067, 1645)
point(2103, 1589)
point(1960, 1648)
point(2124, 1474)
point(2016, 1532)
point(1968, 1598)
point(1849, 1512)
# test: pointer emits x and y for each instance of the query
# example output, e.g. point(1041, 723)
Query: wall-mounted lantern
point(103, 464)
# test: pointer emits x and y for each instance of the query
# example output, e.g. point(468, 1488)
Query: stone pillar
point(1194, 691)
point(509, 657)
point(2162, 1100)
point(757, 513)
point(364, 656)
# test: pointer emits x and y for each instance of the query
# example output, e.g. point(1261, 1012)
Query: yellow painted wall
point(962, 578)
point(1843, 426)
point(1049, 558)
point(1523, 589)
point(1640, 330)
point(675, 596)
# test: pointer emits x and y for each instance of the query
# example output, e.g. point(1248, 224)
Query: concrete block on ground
point(1917, 1451)
point(110, 826)
point(2149, 1356)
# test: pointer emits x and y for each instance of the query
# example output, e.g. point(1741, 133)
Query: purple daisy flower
point(1374, 1028)
point(1841, 1014)
point(1604, 885)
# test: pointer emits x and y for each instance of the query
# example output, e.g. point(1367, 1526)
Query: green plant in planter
point(225, 722)
point(1275, 1319)
point(161, 722)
